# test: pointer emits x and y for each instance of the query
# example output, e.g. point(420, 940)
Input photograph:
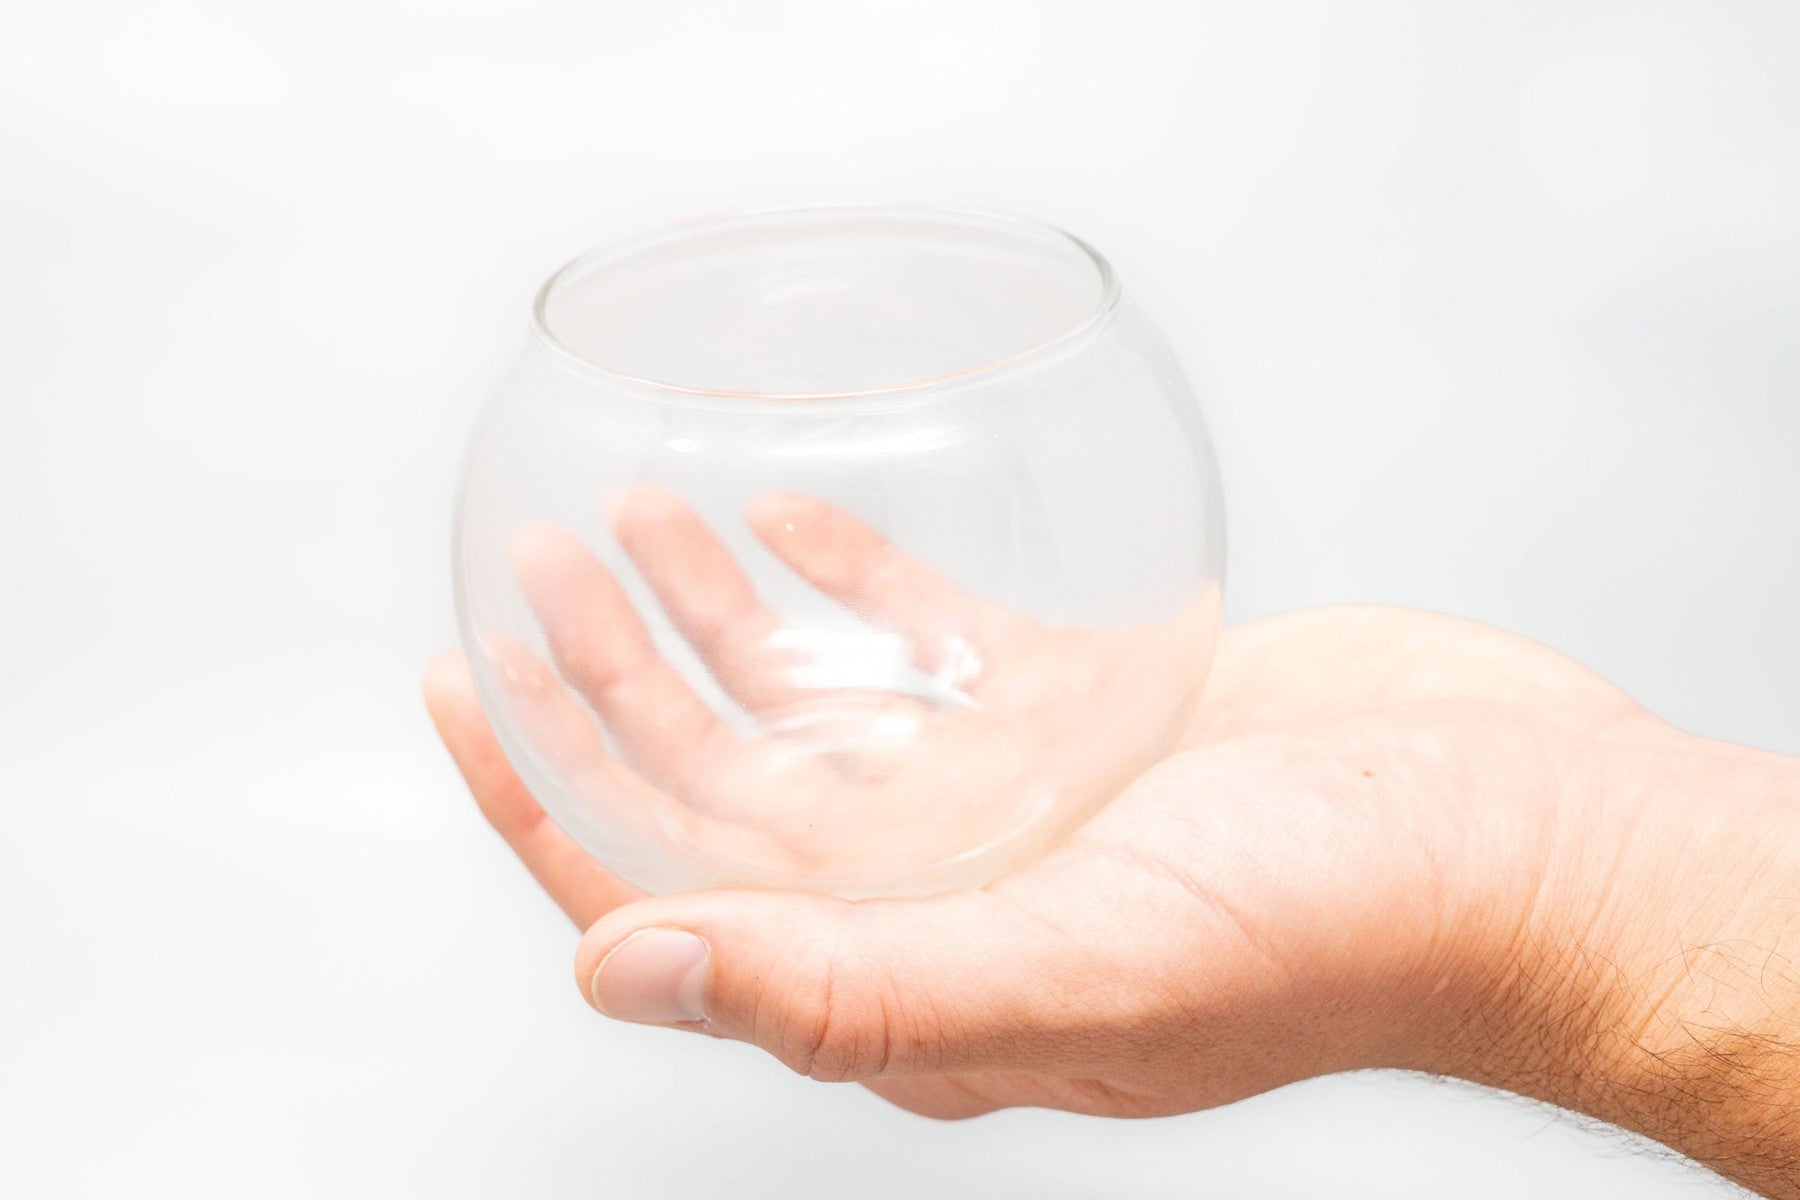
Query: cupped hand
point(937, 727)
point(1338, 859)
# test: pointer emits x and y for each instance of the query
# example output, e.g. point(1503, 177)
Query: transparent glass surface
point(859, 549)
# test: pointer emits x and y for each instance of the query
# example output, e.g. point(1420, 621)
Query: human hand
point(1386, 838)
point(931, 734)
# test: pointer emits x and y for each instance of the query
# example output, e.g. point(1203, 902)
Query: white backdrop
point(1493, 309)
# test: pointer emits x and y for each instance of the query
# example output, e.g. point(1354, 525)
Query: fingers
point(850, 562)
point(840, 991)
point(560, 728)
point(564, 733)
point(579, 885)
point(706, 594)
point(603, 649)
point(713, 603)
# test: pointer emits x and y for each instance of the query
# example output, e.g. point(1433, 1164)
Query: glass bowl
point(861, 549)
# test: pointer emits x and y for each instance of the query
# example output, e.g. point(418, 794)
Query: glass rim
point(1055, 346)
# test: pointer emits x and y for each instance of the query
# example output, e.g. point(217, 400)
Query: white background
point(1493, 308)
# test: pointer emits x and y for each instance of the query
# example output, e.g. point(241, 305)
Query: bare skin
point(1385, 838)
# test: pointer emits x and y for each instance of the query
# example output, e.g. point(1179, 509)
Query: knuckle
point(836, 1026)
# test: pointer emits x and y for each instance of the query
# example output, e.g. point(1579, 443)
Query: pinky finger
point(581, 887)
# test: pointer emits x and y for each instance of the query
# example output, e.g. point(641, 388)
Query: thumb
point(842, 990)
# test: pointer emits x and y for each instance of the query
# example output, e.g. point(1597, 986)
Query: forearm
point(1656, 984)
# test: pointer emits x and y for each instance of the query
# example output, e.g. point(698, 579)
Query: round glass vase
point(860, 549)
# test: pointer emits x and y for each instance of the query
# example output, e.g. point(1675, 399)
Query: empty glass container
point(853, 548)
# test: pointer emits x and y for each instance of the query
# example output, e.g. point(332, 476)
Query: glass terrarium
point(852, 548)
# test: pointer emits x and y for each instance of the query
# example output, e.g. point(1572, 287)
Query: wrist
point(1652, 982)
